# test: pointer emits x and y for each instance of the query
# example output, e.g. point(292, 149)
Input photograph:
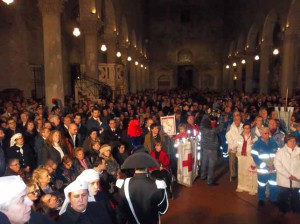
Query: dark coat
point(26, 159)
point(37, 218)
point(2, 161)
point(146, 198)
point(70, 143)
point(95, 213)
point(49, 152)
point(39, 143)
point(92, 123)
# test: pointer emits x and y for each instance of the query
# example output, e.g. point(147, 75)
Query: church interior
point(56, 48)
point(97, 51)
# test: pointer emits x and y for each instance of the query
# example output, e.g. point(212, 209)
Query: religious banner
point(187, 166)
point(168, 125)
point(284, 115)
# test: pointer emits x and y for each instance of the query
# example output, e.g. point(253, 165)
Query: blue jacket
point(263, 154)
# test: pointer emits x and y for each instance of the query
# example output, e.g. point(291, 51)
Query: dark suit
point(25, 159)
point(146, 198)
point(70, 143)
point(82, 130)
point(2, 161)
point(92, 123)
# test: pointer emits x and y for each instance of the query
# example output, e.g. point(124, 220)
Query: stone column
point(288, 76)
point(133, 70)
point(264, 72)
point(249, 73)
point(111, 42)
point(124, 52)
point(230, 76)
point(90, 29)
point(54, 85)
point(239, 69)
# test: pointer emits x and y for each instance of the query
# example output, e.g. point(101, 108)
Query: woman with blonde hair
point(42, 178)
point(33, 193)
point(113, 167)
point(53, 149)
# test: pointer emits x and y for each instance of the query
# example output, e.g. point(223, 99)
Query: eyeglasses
point(34, 192)
point(17, 164)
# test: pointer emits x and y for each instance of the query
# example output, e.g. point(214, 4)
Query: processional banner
point(187, 166)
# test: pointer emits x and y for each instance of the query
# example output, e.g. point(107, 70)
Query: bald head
point(73, 129)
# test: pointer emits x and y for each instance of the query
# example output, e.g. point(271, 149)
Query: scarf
point(244, 147)
point(83, 164)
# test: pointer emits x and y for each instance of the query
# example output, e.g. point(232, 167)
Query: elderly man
point(15, 206)
point(72, 139)
point(234, 132)
point(287, 163)
point(263, 153)
point(78, 206)
point(275, 133)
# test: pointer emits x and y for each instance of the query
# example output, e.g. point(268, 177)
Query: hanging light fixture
point(136, 63)
point(145, 68)
point(76, 32)
point(129, 58)
point(103, 48)
point(118, 54)
point(8, 1)
point(276, 51)
point(227, 67)
point(234, 64)
point(256, 58)
point(243, 61)
point(142, 65)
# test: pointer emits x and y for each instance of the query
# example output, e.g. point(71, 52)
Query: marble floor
point(203, 204)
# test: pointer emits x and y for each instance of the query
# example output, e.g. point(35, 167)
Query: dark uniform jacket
point(95, 213)
point(25, 159)
point(148, 198)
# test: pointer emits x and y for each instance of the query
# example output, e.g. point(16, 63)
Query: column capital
point(50, 6)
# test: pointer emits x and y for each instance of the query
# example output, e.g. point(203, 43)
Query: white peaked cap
point(13, 139)
point(88, 175)
point(10, 186)
point(74, 186)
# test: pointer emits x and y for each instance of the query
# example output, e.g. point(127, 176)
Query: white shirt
point(287, 163)
point(58, 148)
point(233, 134)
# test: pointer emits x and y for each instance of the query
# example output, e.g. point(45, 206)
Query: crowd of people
point(75, 154)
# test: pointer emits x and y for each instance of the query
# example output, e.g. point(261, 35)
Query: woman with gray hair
point(287, 163)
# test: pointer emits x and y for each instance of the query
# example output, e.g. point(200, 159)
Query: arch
point(253, 38)
point(124, 30)
point(269, 24)
point(109, 17)
point(293, 19)
point(184, 56)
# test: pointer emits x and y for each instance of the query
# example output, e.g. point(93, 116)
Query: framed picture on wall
point(168, 125)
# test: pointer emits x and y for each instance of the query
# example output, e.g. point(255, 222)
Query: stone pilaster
point(111, 42)
point(239, 81)
point(288, 76)
point(249, 73)
point(264, 74)
point(54, 85)
point(90, 29)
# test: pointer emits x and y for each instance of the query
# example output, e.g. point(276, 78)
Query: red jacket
point(163, 159)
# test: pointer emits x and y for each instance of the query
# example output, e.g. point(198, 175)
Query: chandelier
point(8, 1)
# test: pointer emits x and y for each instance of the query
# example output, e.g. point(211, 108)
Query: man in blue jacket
point(263, 153)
